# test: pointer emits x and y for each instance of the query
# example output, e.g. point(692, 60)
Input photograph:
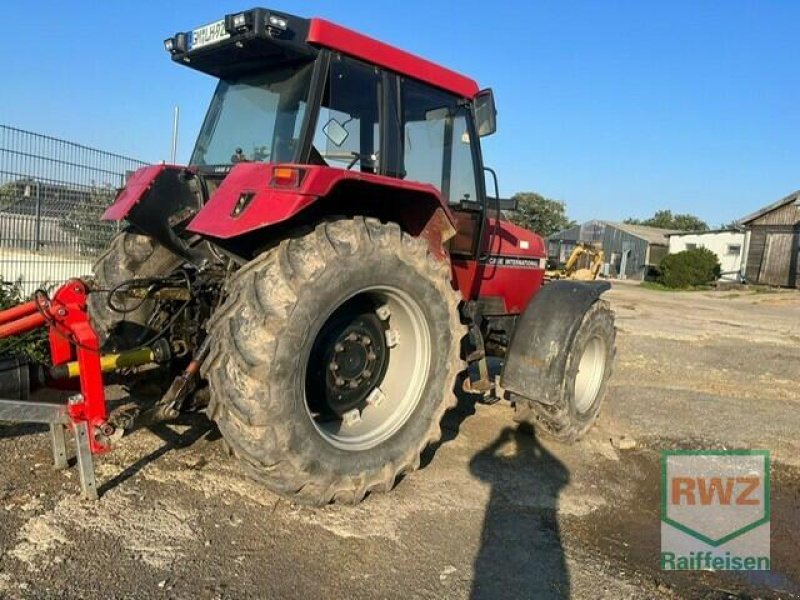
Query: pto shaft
point(108, 362)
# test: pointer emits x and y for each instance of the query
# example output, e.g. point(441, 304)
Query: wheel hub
point(367, 368)
point(355, 356)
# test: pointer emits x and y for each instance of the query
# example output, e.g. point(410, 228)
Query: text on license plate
point(210, 34)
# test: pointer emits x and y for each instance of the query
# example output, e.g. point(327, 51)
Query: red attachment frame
point(71, 336)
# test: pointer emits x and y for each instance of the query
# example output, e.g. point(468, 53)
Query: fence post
point(37, 225)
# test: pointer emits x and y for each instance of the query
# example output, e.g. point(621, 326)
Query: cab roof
point(256, 42)
point(335, 37)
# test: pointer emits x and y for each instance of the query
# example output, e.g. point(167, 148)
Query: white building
point(729, 246)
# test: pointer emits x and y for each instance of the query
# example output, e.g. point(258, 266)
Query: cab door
point(494, 262)
point(440, 148)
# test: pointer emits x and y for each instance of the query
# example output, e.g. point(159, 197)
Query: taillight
point(286, 177)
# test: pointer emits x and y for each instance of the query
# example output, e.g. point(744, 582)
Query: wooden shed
point(773, 243)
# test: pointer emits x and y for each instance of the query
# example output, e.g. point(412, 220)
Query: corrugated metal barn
point(560, 245)
point(631, 251)
point(773, 241)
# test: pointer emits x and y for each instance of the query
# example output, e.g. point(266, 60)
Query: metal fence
point(52, 193)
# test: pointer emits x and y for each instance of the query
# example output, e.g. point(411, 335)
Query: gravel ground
point(494, 513)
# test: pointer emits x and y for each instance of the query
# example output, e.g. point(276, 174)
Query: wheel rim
point(591, 370)
point(367, 368)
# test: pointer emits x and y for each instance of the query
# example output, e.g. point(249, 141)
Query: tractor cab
point(308, 92)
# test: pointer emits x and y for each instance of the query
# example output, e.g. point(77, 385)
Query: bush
point(32, 345)
point(689, 268)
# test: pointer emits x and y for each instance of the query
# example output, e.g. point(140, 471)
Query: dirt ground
point(494, 513)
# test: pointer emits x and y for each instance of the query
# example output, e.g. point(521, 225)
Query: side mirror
point(485, 113)
point(335, 132)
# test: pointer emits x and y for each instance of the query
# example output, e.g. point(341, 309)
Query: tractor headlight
point(278, 22)
point(176, 44)
point(239, 22)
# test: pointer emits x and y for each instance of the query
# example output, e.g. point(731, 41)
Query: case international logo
point(715, 510)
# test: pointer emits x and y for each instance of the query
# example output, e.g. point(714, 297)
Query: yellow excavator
point(584, 263)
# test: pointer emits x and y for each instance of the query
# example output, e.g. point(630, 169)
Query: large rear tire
point(334, 359)
point(589, 364)
point(129, 255)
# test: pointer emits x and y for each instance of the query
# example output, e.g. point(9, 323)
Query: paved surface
point(495, 513)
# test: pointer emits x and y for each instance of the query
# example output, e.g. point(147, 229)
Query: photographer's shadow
point(521, 554)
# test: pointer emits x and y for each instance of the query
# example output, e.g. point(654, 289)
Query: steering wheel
point(357, 156)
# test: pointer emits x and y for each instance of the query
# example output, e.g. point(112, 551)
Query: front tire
point(589, 364)
point(334, 359)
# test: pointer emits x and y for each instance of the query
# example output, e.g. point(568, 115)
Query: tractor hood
point(515, 241)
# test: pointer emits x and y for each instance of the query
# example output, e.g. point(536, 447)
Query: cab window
point(347, 134)
point(436, 142)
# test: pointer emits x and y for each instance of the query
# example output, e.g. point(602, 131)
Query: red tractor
point(323, 269)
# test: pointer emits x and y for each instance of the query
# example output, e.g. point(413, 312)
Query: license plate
point(207, 35)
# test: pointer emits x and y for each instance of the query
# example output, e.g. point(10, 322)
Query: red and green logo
point(715, 509)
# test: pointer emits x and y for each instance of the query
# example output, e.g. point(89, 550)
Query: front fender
point(537, 353)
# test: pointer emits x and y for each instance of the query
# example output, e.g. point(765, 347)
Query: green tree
point(664, 219)
point(731, 225)
point(539, 214)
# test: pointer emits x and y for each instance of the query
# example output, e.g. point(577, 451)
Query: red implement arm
point(71, 336)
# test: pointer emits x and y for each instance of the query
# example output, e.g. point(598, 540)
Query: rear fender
point(543, 335)
point(248, 201)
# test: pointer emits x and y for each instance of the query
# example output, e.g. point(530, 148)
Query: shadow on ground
point(199, 426)
point(16, 430)
point(521, 552)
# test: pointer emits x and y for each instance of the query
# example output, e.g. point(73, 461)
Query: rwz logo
point(715, 507)
point(706, 491)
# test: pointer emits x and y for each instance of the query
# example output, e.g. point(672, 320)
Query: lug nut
point(352, 417)
point(339, 381)
point(352, 337)
point(366, 341)
point(353, 384)
point(392, 338)
point(372, 356)
point(339, 348)
point(383, 312)
point(367, 373)
point(375, 397)
point(333, 367)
